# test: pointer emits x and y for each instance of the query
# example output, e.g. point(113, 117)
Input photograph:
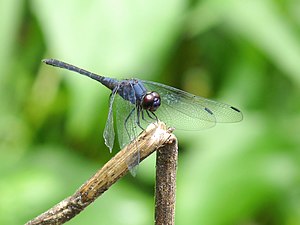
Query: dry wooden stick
point(154, 137)
point(165, 190)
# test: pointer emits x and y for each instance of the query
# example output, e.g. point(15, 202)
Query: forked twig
point(154, 137)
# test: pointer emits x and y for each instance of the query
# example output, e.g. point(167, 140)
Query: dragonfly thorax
point(151, 101)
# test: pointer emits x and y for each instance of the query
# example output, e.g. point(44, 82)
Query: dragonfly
point(139, 102)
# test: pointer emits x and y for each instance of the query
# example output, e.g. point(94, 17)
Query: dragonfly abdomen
point(107, 82)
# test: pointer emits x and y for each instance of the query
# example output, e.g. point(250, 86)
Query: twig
point(154, 137)
point(165, 190)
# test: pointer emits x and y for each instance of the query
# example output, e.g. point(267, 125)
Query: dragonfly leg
point(126, 120)
point(138, 122)
point(151, 115)
point(143, 116)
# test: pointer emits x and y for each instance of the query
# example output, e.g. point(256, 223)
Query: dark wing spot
point(235, 109)
point(208, 110)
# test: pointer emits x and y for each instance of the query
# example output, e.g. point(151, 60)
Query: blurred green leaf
point(245, 53)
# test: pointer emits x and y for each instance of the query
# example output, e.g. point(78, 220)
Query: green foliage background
point(245, 53)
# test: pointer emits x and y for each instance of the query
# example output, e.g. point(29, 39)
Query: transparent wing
point(189, 112)
point(125, 118)
point(109, 133)
point(127, 128)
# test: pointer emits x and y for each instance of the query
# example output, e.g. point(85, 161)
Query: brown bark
point(154, 137)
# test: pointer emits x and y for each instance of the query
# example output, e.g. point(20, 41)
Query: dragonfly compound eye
point(151, 101)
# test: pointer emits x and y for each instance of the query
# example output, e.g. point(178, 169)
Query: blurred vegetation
point(245, 53)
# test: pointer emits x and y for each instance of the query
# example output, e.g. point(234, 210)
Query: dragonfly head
point(151, 101)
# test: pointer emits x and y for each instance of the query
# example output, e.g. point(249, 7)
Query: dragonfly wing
point(189, 112)
point(125, 121)
point(109, 133)
point(127, 128)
